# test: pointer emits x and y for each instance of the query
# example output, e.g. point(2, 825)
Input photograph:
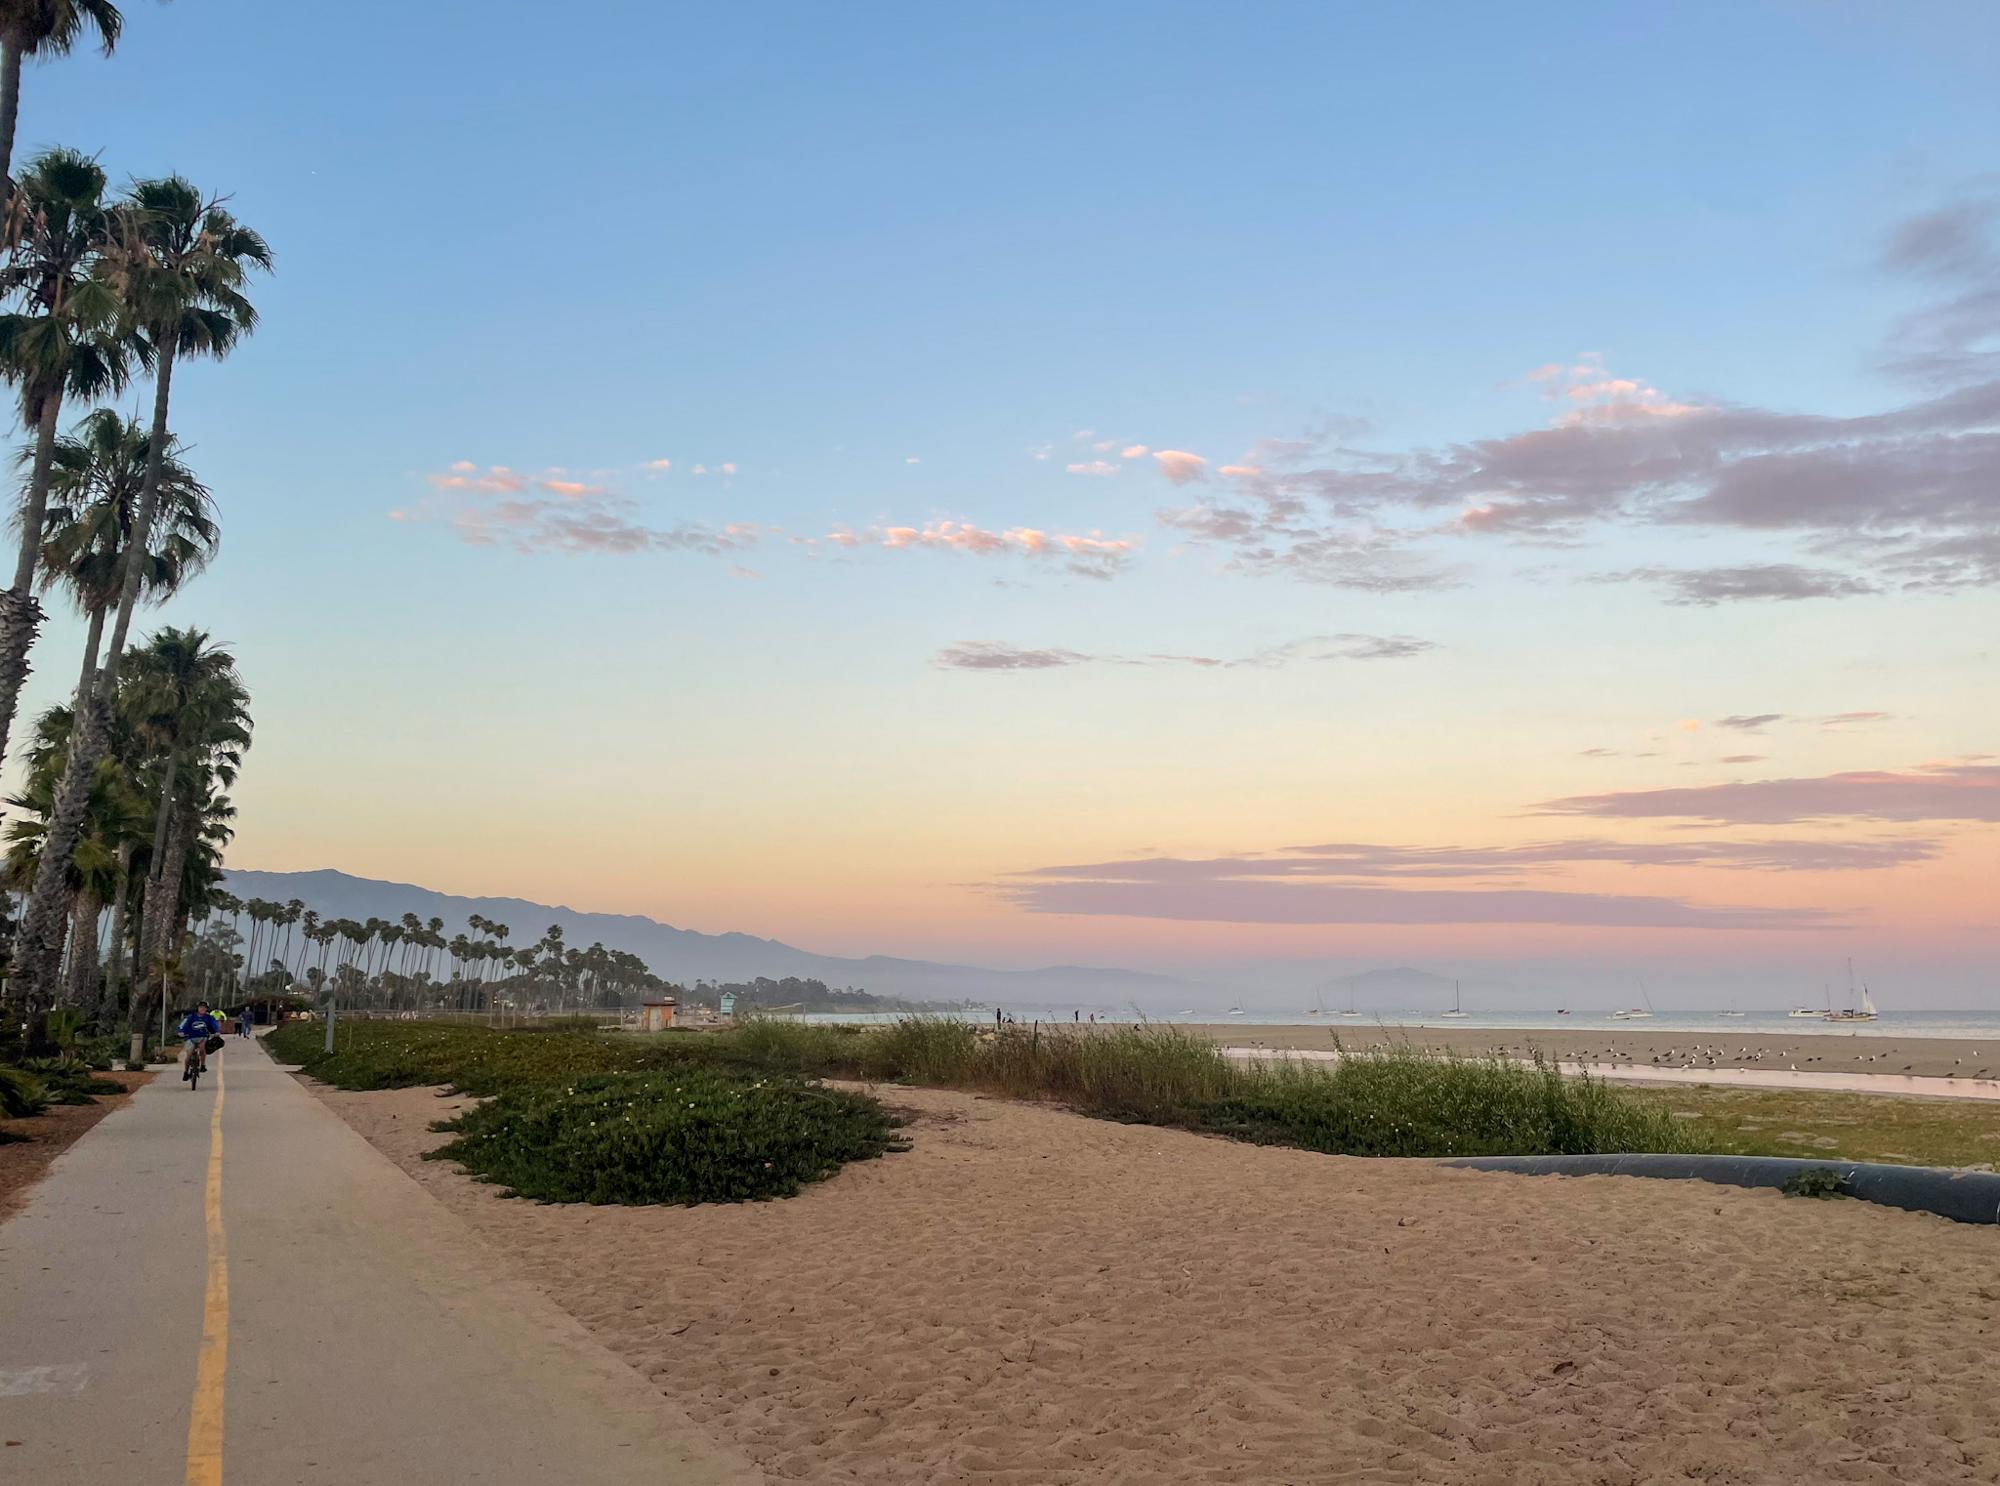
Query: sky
point(1255, 489)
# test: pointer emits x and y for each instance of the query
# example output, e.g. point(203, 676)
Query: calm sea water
point(1968, 1025)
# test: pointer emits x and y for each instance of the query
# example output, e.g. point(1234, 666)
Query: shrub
point(67, 1079)
point(699, 1135)
point(1815, 1181)
point(21, 1093)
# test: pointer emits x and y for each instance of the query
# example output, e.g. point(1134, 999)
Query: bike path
point(324, 1321)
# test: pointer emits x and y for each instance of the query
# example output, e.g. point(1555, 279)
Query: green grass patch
point(1836, 1126)
point(697, 1135)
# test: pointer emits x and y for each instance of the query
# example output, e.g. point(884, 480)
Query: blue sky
point(876, 258)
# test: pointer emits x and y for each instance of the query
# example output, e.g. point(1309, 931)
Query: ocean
point(1966, 1025)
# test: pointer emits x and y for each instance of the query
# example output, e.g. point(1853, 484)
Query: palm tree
point(65, 340)
point(43, 28)
point(180, 264)
point(94, 484)
point(117, 823)
point(191, 710)
point(187, 695)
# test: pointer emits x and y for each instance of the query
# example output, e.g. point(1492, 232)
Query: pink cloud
point(1941, 792)
point(1133, 451)
point(497, 506)
point(1091, 554)
point(1179, 466)
point(1092, 467)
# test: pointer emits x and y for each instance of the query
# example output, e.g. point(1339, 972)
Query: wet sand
point(1630, 1042)
point(1032, 1298)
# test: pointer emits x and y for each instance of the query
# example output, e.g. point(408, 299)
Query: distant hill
point(686, 955)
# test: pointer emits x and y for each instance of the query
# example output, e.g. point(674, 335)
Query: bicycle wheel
point(194, 1074)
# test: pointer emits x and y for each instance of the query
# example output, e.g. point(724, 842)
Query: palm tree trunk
point(39, 942)
point(80, 988)
point(93, 642)
point(10, 105)
point(114, 972)
point(20, 614)
point(156, 866)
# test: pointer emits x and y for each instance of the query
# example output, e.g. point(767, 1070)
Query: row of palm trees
point(158, 819)
point(98, 288)
point(409, 964)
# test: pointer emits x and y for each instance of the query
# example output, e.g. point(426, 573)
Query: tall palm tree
point(116, 824)
point(94, 481)
point(43, 28)
point(187, 696)
point(65, 339)
point(180, 264)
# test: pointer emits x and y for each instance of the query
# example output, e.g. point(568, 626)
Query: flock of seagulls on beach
point(1718, 1055)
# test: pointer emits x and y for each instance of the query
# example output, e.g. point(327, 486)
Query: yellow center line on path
point(204, 1452)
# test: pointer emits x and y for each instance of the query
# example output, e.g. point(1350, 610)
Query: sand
point(1611, 1042)
point(1032, 1298)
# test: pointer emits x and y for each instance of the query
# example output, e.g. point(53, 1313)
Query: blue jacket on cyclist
point(198, 1025)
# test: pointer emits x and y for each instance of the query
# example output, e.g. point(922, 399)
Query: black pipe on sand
point(1962, 1196)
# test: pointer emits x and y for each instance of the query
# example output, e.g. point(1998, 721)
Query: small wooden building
point(656, 1016)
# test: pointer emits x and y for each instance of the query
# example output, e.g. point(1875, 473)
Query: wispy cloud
point(494, 506)
point(1365, 883)
point(1749, 722)
point(1928, 792)
point(994, 655)
point(1771, 580)
point(1903, 496)
point(1092, 467)
point(1089, 554)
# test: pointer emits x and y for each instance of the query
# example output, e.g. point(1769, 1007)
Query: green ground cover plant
point(696, 1135)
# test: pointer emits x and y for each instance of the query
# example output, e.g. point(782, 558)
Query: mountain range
point(686, 955)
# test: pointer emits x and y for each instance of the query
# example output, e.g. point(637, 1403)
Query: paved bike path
point(371, 1337)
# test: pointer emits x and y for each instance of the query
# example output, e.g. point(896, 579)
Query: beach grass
point(1839, 1126)
point(1403, 1101)
point(1380, 1102)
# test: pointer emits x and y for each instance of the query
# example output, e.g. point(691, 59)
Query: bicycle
point(194, 1061)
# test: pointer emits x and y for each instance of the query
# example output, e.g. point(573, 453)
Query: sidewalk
point(371, 1339)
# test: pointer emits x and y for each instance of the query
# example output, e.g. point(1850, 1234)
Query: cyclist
point(195, 1029)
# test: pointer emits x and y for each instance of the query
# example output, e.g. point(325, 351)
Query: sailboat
point(1865, 1012)
point(1456, 1011)
point(1351, 1011)
point(1318, 1008)
point(1636, 1014)
point(1237, 1009)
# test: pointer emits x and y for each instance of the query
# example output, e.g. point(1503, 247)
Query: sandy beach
point(1031, 1298)
point(1631, 1042)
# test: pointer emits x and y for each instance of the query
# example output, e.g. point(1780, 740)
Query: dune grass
point(1381, 1102)
point(1405, 1102)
